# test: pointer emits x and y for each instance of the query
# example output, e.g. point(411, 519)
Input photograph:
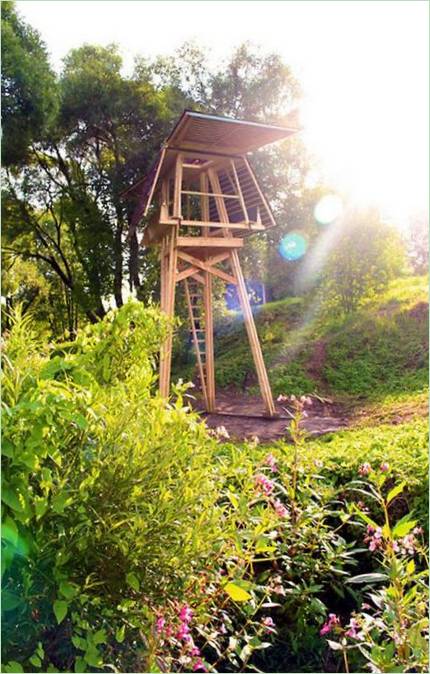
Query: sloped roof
point(199, 132)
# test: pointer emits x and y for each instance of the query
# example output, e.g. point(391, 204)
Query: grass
point(379, 350)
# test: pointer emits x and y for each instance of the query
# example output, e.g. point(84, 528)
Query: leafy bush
point(106, 493)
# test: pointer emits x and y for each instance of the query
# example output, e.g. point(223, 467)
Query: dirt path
point(242, 416)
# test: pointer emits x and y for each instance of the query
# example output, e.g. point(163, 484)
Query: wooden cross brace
point(201, 265)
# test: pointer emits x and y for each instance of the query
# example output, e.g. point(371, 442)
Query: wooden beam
point(154, 182)
point(209, 343)
point(208, 242)
point(190, 271)
point(248, 318)
point(177, 206)
point(195, 262)
point(210, 194)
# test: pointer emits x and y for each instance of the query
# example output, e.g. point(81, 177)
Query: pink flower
point(418, 531)
point(198, 665)
point(408, 544)
point(373, 538)
point(280, 509)
point(183, 632)
point(159, 625)
point(365, 469)
point(185, 614)
point(195, 651)
point(265, 484)
point(384, 467)
point(268, 623)
point(270, 461)
point(332, 621)
point(352, 631)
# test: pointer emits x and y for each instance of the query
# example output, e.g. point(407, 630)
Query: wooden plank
point(208, 242)
point(169, 306)
point(191, 271)
point(154, 182)
point(195, 262)
point(210, 194)
point(248, 318)
point(209, 345)
point(177, 206)
point(211, 224)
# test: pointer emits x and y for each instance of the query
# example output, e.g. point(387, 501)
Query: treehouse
point(199, 201)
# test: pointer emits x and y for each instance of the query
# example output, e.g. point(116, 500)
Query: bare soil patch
point(243, 417)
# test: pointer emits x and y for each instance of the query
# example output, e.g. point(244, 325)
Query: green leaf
point(11, 499)
point(368, 578)
point(35, 660)
point(410, 567)
point(60, 609)
point(120, 634)
point(40, 506)
point(9, 531)
point(237, 593)
point(13, 666)
point(100, 637)
point(80, 665)
point(404, 526)
point(364, 517)
point(132, 581)
point(10, 601)
point(395, 491)
point(68, 590)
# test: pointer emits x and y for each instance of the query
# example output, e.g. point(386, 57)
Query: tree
point(28, 87)
point(367, 253)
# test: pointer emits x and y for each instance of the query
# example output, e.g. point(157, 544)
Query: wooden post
point(209, 342)
point(207, 300)
point(251, 330)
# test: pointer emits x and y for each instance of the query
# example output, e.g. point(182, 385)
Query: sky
point(363, 66)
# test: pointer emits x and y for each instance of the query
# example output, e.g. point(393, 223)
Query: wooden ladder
point(195, 302)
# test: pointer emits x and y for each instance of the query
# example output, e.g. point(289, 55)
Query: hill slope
point(381, 349)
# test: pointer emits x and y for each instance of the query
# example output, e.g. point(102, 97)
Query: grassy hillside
point(381, 349)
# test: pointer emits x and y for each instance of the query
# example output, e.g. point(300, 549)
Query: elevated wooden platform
point(200, 200)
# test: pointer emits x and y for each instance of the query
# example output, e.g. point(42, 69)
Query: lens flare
point(293, 246)
point(328, 209)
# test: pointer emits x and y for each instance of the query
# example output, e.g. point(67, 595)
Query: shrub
point(106, 494)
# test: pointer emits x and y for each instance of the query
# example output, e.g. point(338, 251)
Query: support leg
point(260, 367)
point(169, 262)
point(251, 330)
point(209, 343)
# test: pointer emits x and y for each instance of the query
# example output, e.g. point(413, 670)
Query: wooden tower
point(200, 199)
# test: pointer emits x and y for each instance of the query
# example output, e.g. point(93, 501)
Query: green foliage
point(379, 349)
point(390, 631)
point(106, 494)
point(28, 86)
point(121, 514)
point(380, 353)
point(366, 255)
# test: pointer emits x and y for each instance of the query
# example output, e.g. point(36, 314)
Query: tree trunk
point(117, 281)
point(133, 263)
